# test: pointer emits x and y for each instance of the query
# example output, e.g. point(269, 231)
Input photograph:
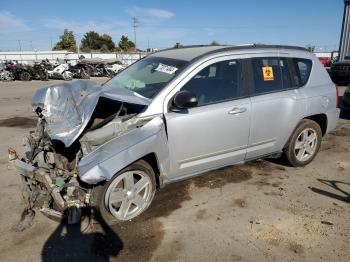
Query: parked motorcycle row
point(45, 70)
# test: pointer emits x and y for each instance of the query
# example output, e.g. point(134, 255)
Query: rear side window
point(271, 74)
point(303, 69)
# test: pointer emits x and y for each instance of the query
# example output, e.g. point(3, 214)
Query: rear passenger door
point(277, 105)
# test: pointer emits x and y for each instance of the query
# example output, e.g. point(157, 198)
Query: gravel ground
point(262, 211)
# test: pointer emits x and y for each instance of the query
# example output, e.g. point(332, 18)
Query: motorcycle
point(39, 72)
point(114, 69)
point(61, 72)
point(19, 71)
point(81, 71)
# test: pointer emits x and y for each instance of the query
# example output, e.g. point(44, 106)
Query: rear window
point(303, 70)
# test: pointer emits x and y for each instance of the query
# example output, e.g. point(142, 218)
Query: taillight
point(337, 97)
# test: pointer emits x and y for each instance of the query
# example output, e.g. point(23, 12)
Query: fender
point(108, 159)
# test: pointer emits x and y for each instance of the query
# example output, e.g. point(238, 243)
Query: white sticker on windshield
point(166, 69)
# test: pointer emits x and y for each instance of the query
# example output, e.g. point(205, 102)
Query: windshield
point(148, 76)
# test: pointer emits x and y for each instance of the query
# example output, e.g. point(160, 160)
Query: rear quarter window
point(303, 70)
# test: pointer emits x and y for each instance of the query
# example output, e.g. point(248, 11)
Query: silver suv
point(172, 115)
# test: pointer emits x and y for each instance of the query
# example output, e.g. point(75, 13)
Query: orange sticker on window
point(267, 73)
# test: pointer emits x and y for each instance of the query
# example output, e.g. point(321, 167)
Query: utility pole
point(78, 47)
point(135, 25)
point(90, 46)
point(51, 48)
point(20, 49)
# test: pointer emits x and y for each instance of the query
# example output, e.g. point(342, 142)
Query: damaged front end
point(74, 119)
point(50, 179)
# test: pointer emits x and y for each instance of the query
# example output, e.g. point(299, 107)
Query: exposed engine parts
point(50, 179)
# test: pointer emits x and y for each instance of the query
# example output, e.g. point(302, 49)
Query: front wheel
point(128, 193)
point(67, 76)
point(304, 143)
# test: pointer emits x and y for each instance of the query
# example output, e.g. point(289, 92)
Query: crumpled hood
point(68, 106)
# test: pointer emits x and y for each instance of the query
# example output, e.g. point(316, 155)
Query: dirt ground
point(263, 211)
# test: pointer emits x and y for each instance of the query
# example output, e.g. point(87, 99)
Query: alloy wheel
point(306, 144)
point(129, 194)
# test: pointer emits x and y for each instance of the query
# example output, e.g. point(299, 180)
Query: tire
point(6, 76)
point(300, 151)
point(84, 74)
point(102, 193)
point(67, 76)
point(25, 76)
point(44, 76)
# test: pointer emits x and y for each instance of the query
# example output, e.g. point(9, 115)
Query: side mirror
point(185, 99)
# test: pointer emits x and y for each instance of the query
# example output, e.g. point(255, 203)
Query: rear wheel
point(84, 74)
point(304, 144)
point(127, 194)
point(44, 76)
point(25, 76)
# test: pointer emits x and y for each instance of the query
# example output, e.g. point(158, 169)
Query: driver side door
point(215, 132)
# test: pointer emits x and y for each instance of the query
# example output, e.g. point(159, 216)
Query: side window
point(303, 68)
point(217, 82)
point(271, 74)
point(286, 78)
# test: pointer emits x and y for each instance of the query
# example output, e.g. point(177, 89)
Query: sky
point(38, 24)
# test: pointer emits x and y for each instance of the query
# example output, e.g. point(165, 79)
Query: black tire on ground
point(84, 74)
point(100, 191)
point(289, 150)
point(44, 76)
point(25, 76)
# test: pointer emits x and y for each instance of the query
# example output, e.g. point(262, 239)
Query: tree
point(177, 45)
point(107, 42)
point(104, 49)
point(93, 41)
point(131, 44)
point(310, 48)
point(90, 41)
point(66, 42)
point(215, 42)
point(125, 44)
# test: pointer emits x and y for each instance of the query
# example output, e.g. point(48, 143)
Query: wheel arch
point(152, 160)
point(321, 120)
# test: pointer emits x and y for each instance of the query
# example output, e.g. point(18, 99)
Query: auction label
point(166, 69)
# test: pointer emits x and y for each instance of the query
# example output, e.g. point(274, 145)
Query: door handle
point(237, 110)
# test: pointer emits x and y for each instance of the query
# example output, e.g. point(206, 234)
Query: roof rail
point(249, 46)
point(242, 46)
